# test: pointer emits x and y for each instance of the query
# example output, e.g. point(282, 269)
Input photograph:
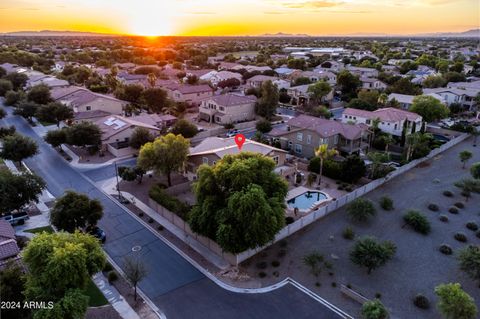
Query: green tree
point(12, 284)
point(301, 81)
point(60, 266)
point(18, 189)
point(356, 103)
point(263, 126)
point(429, 108)
point(56, 137)
point(12, 97)
point(349, 84)
point(184, 128)
point(377, 158)
point(131, 93)
point(318, 90)
point(320, 111)
point(469, 259)
point(353, 168)
point(464, 157)
point(454, 303)
point(266, 105)
point(26, 109)
point(135, 271)
point(156, 99)
point(374, 309)
point(17, 147)
point(370, 253)
point(139, 137)
point(84, 133)
point(468, 186)
point(361, 209)
point(240, 202)
point(314, 261)
point(323, 153)
point(74, 211)
point(54, 112)
point(19, 80)
point(5, 86)
point(434, 81)
point(165, 155)
point(475, 170)
point(39, 94)
point(370, 97)
point(404, 86)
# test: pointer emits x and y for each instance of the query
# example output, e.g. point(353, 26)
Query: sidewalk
point(114, 297)
point(84, 166)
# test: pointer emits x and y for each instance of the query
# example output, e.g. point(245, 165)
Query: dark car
point(98, 233)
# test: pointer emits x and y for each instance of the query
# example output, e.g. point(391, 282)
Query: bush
point(378, 295)
point(433, 207)
point(421, 302)
point(472, 226)
point(374, 309)
point(112, 276)
point(417, 221)
point(150, 220)
point(443, 218)
point(361, 209)
point(453, 210)
point(275, 263)
point(461, 237)
point(108, 267)
point(169, 202)
point(289, 220)
point(276, 273)
point(386, 203)
point(348, 233)
point(448, 193)
point(445, 249)
point(141, 214)
point(318, 284)
point(160, 227)
point(262, 265)
point(459, 205)
point(262, 274)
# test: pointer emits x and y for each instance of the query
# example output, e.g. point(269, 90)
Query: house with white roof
point(406, 100)
point(465, 97)
point(391, 120)
point(372, 84)
point(212, 149)
point(215, 77)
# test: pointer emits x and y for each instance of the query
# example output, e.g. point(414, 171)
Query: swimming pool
point(306, 200)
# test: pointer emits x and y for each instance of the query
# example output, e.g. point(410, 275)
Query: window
point(367, 121)
point(299, 136)
point(309, 139)
point(275, 159)
point(298, 148)
point(205, 160)
point(222, 108)
point(89, 107)
point(335, 139)
point(290, 144)
point(396, 125)
point(323, 141)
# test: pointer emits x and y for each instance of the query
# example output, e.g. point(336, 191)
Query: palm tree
point(389, 140)
point(324, 153)
point(375, 129)
point(464, 157)
point(377, 159)
point(416, 140)
point(151, 79)
point(382, 99)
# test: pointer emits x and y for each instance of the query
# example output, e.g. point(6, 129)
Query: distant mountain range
point(475, 33)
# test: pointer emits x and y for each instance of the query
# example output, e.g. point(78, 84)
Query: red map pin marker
point(239, 140)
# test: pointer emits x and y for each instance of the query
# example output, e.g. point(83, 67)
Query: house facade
point(305, 133)
point(228, 108)
point(190, 94)
point(390, 120)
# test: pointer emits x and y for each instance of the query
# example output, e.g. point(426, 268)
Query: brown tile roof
point(8, 248)
point(327, 128)
point(232, 99)
point(189, 89)
point(388, 114)
point(6, 230)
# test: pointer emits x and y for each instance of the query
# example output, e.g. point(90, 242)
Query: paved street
point(173, 284)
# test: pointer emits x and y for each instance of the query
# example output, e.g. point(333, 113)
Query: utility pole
point(118, 184)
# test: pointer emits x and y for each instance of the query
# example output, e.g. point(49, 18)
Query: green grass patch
point(47, 229)
point(46, 123)
point(97, 298)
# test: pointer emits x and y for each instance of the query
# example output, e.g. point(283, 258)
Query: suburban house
point(406, 101)
point(301, 95)
point(83, 100)
point(372, 84)
point(331, 65)
point(191, 94)
point(304, 133)
point(157, 120)
point(228, 108)
point(391, 120)
point(116, 133)
point(315, 76)
point(215, 77)
point(8, 244)
point(257, 80)
point(465, 97)
point(50, 81)
point(127, 78)
point(212, 149)
point(362, 72)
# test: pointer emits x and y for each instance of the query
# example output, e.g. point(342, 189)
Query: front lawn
point(97, 298)
point(47, 229)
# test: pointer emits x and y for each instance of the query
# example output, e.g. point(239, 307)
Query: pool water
point(306, 200)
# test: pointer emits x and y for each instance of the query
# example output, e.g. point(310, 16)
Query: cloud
point(439, 2)
point(275, 12)
point(311, 4)
point(202, 12)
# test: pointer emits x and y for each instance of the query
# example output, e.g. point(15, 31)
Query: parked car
point(232, 133)
point(98, 233)
point(16, 218)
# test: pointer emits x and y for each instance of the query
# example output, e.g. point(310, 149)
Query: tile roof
point(6, 230)
point(327, 128)
point(189, 89)
point(232, 99)
point(113, 124)
point(223, 146)
point(8, 248)
point(388, 114)
point(262, 78)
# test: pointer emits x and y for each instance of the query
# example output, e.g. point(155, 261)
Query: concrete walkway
point(114, 297)
point(75, 162)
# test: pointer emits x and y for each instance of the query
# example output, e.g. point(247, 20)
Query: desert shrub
point(141, 214)
point(262, 274)
point(275, 263)
point(421, 302)
point(276, 273)
point(282, 253)
point(361, 209)
point(417, 221)
point(443, 218)
point(349, 286)
point(445, 249)
point(378, 295)
point(334, 284)
point(433, 207)
point(477, 234)
point(348, 233)
point(386, 203)
point(170, 202)
point(318, 284)
point(112, 276)
point(461, 237)
point(472, 226)
point(453, 210)
point(262, 265)
point(289, 220)
point(448, 193)
point(459, 205)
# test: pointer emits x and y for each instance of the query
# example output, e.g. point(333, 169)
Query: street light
point(118, 184)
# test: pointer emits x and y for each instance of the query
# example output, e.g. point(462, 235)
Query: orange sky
point(241, 17)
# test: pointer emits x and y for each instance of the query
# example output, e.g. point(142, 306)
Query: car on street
point(98, 233)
